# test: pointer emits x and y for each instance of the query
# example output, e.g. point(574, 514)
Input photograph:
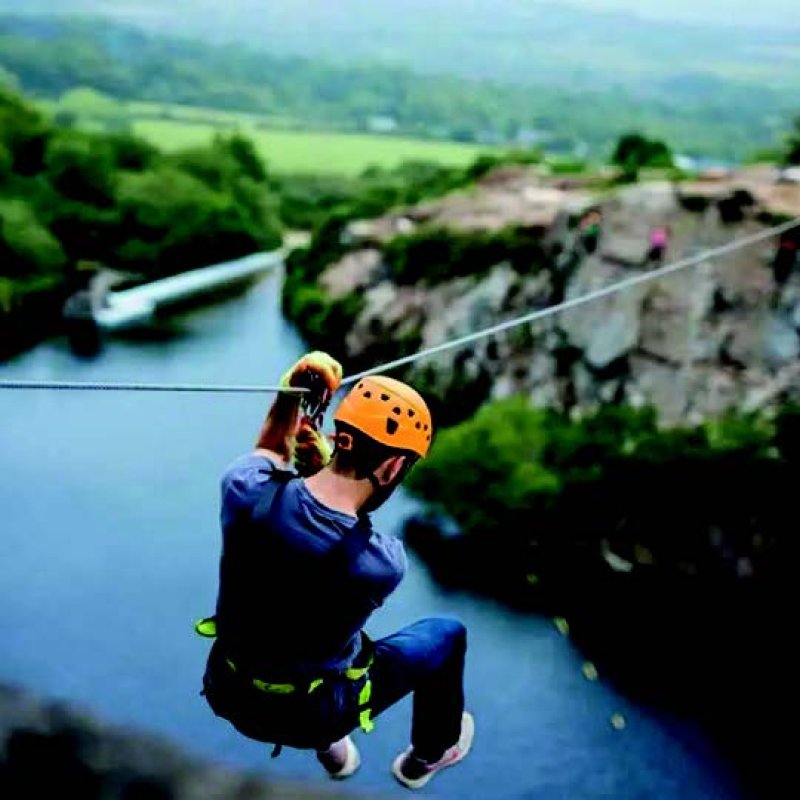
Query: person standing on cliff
point(589, 230)
point(785, 259)
point(659, 242)
point(302, 571)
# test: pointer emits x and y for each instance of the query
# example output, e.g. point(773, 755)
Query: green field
point(172, 127)
point(304, 151)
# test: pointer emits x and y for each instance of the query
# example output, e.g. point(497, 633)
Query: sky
point(732, 11)
point(738, 12)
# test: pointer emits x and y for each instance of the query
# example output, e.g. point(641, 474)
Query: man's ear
point(390, 469)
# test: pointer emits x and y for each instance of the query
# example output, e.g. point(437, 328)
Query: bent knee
point(451, 631)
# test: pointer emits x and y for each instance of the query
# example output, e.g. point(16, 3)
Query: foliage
point(68, 196)
point(547, 484)
point(308, 200)
point(792, 156)
point(433, 256)
point(635, 151)
point(27, 247)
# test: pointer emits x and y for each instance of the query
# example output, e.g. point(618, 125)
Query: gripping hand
point(321, 375)
point(312, 449)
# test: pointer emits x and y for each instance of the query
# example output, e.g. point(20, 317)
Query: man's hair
point(358, 455)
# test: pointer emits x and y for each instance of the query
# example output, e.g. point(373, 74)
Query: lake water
point(109, 552)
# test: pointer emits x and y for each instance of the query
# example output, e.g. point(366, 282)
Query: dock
point(138, 306)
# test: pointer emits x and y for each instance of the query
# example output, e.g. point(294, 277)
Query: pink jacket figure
point(659, 239)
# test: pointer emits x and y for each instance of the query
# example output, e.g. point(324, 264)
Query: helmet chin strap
point(380, 494)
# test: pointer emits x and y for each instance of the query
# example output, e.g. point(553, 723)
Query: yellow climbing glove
point(312, 449)
point(321, 375)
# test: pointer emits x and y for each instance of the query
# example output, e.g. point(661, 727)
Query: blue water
point(109, 552)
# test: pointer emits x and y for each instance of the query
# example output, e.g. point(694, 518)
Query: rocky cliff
point(720, 335)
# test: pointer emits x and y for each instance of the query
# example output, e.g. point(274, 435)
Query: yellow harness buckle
point(206, 627)
point(274, 688)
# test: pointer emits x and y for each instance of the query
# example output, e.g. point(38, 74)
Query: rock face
point(506, 196)
point(354, 273)
point(49, 750)
point(693, 344)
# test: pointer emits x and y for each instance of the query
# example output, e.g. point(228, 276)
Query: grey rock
point(355, 272)
point(607, 329)
point(781, 342)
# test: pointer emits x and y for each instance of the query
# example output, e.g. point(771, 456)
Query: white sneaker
point(341, 759)
point(414, 773)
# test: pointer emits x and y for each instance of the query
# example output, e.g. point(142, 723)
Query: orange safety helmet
point(390, 412)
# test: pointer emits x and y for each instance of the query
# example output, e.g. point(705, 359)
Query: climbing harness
point(532, 316)
point(207, 628)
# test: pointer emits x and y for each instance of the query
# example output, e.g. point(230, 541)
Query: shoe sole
point(467, 735)
point(352, 763)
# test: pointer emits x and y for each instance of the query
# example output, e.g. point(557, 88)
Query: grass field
point(172, 127)
point(305, 151)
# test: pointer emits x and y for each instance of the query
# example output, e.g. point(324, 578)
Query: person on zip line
point(302, 571)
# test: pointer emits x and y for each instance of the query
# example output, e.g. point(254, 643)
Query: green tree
point(6, 163)
point(81, 168)
point(173, 221)
point(792, 156)
point(244, 153)
point(635, 151)
point(131, 153)
point(27, 247)
point(24, 132)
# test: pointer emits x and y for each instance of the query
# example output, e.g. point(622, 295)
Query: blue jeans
point(426, 658)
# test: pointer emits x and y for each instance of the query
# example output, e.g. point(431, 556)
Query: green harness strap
point(207, 628)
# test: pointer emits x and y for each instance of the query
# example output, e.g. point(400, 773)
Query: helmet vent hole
point(429, 437)
point(426, 427)
point(397, 410)
point(368, 395)
point(419, 426)
point(391, 426)
point(385, 398)
point(411, 412)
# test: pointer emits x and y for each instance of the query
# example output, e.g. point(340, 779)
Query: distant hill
point(698, 113)
point(597, 43)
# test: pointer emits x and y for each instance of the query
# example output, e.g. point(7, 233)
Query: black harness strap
point(279, 480)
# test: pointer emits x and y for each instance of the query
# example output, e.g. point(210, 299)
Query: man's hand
point(312, 449)
point(283, 429)
point(321, 375)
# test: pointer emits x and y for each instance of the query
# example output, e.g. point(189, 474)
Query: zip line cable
point(149, 387)
point(532, 316)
